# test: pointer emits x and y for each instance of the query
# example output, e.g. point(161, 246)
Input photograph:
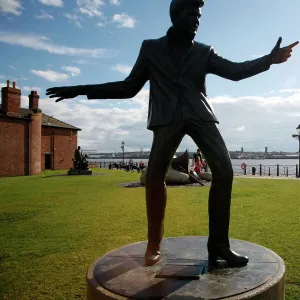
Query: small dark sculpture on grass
point(80, 164)
point(176, 66)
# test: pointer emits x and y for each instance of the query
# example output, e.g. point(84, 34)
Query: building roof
point(46, 120)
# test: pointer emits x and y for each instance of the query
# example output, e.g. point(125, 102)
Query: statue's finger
point(53, 96)
point(278, 43)
point(53, 89)
point(60, 99)
point(293, 45)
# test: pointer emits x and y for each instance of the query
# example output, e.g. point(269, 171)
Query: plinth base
point(80, 172)
point(184, 273)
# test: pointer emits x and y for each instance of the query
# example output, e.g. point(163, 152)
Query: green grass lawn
point(53, 227)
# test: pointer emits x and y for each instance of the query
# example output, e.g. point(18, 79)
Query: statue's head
point(185, 15)
point(78, 148)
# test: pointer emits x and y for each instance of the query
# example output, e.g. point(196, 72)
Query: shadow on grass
point(61, 175)
point(138, 184)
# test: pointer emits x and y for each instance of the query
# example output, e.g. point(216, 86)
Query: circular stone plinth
point(120, 274)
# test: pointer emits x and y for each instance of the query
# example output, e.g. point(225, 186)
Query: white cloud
point(90, 7)
point(31, 88)
point(11, 7)
point(44, 16)
point(290, 91)
point(44, 43)
point(57, 3)
point(241, 128)
point(104, 125)
point(50, 75)
point(123, 20)
point(100, 24)
point(2, 76)
point(74, 18)
point(74, 71)
point(266, 121)
point(124, 69)
point(11, 67)
point(115, 2)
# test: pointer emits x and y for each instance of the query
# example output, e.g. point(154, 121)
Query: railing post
point(269, 171)
point(296, 170)
point(260, 170)
point(287, 171)
point(277, 169)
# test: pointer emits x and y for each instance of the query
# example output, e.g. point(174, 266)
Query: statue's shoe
point(233, 259)
point(152, 258)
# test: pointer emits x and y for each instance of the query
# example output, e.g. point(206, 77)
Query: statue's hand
point(64, 92)
point(281, 55)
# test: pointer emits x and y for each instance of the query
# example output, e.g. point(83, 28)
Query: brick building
point(31, 141)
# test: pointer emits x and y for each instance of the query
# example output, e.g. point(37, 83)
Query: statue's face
point(188, 19)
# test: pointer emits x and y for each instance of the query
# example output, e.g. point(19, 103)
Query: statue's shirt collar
point(174, 39)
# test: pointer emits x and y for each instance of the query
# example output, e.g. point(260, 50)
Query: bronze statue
point(176, 66)
point(80, 163)
point(77, 158)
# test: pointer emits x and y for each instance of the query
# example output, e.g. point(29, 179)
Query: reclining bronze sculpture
point(176, 66)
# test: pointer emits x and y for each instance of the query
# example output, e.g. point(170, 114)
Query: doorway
point(47, 161)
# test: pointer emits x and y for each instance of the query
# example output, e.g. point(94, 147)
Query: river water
point(286, 167)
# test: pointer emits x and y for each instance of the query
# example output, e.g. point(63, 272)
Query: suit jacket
point(171, 79)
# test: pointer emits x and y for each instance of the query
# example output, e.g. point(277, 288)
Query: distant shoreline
point(147, 157)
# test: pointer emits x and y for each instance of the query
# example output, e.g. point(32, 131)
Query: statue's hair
point(177, 5)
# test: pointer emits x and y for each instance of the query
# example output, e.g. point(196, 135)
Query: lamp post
point(122, 147)
point(297, 136)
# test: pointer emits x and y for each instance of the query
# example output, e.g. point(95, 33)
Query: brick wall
point(13, 147)
point(61, 143)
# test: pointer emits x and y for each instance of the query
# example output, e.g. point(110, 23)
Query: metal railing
point(268, 170)
point(260, 169)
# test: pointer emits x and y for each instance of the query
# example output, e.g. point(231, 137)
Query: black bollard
point(287, 171)
point(269, 171)
point(260, 170)
point(277, 170)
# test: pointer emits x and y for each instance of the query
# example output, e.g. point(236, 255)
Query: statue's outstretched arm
point(112, 90)
point(241, 70)
point(122, 89)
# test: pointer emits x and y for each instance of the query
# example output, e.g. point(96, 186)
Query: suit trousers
point(166, 140)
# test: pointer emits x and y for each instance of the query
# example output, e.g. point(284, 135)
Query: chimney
point(34, 100)
point(11, 100)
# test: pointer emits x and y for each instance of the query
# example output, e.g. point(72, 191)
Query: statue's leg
point(166, 140)
point(209, 140)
